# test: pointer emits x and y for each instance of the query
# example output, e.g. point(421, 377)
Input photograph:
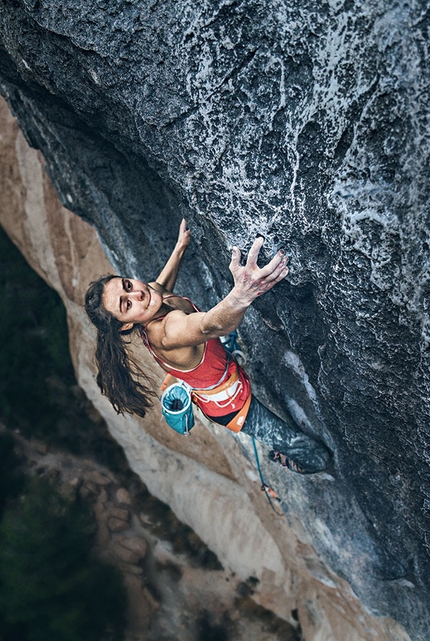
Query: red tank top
point(214, 368)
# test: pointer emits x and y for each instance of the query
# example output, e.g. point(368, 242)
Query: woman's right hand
point(182, 330)
point(250, 281)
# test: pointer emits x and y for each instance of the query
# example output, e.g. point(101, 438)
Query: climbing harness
point(226, 391)
point(237, 422)
point(176, 405)
point(269, 492)
point(176, 402)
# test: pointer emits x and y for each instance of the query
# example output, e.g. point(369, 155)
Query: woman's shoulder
point(157, 326)
point(167, 337)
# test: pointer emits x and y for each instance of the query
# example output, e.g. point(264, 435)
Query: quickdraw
point(270, 493)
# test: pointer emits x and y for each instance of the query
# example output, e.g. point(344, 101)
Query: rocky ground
point(177, 588)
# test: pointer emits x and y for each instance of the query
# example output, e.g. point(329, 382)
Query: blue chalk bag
point(177, 407)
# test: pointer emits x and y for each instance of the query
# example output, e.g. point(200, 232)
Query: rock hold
point(118, 519)
point(119, 513)
point(123, 496)
point(124, 554)
point(135, 544)
point(90, 488)
point(97, 478)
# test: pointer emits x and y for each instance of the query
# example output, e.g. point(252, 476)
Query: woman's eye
point(128, 285)
point(128, 305)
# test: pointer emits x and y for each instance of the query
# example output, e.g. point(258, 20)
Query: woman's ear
point(126, 327)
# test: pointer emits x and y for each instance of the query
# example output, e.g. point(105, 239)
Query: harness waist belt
point(222, 392)
point(225, 395)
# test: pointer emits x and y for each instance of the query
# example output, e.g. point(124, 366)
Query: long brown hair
point(119, 377)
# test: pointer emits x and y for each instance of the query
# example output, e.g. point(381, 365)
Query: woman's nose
point(137, 294)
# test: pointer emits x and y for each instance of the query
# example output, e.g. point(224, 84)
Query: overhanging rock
point(306, 123)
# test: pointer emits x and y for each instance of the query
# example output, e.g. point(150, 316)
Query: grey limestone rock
point(306, 122)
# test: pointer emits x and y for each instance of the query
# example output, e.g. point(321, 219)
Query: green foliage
point(11, 480)
point(38, 391)
point(34, 342)
point(51, 589)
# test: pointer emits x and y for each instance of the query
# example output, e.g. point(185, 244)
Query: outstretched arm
point(169, 273)
point(249, 282)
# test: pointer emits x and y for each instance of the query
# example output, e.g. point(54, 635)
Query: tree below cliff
point(50, 586)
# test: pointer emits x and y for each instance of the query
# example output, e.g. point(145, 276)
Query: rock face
point(205, 478)
point(307, 123)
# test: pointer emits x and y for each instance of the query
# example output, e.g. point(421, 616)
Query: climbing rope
point(269, 492)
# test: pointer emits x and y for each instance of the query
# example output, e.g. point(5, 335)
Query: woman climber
point(186, 343)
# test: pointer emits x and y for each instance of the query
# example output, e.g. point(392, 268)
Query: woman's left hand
point(184, 236)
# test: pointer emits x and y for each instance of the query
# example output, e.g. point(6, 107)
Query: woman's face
point(131, 301)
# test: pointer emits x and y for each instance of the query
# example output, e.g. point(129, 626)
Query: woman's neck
point(174, 301)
